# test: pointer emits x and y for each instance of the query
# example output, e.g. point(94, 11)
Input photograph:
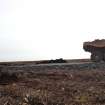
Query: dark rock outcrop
point(96, 48)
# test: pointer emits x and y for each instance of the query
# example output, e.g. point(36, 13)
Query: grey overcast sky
point(49, 29)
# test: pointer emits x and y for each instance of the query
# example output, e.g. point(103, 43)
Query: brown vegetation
point(84, 87)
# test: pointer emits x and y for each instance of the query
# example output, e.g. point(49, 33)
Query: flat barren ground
point(52, 87)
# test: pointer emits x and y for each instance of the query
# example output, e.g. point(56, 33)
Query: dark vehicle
point(57, 61)
point(61, 60)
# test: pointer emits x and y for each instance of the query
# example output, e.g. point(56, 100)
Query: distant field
point(35, 62)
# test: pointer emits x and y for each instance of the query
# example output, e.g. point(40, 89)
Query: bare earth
point(53, 87)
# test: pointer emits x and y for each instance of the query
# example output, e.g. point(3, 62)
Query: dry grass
point(72, 87)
